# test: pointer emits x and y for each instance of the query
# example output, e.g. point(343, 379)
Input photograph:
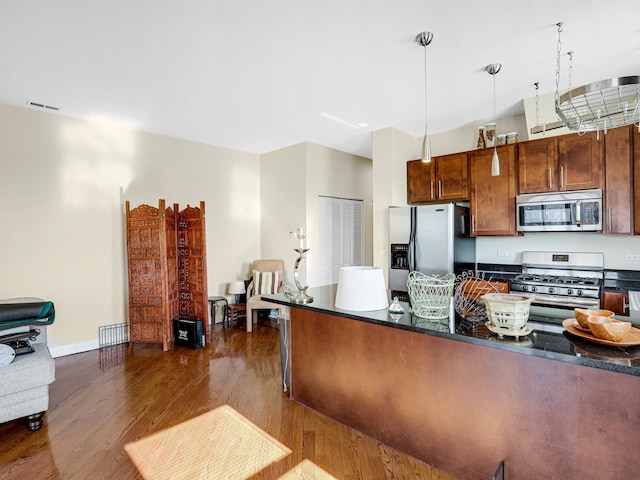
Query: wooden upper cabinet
point(556, 164)
point(580, 161)
point(618, 192)
point(537, 165)
point(444, 178)
point(636, 180)
point(493, 198)
point(452, 173)
point(420, 182)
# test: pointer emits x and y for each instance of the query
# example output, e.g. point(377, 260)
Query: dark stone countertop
point(545, 340)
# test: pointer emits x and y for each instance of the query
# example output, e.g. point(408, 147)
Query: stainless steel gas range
point(560, 281)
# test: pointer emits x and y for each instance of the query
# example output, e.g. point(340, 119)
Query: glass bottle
point(491, 134)
point(481, 137)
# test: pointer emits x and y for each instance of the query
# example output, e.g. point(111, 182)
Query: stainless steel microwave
point(576, 211)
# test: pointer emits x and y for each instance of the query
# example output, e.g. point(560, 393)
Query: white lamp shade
point(361, 289)
point(236, 288)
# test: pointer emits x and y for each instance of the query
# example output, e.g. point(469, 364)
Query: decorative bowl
point(608, 328)
point(582, 314)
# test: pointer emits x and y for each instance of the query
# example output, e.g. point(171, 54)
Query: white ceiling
point(258, 75)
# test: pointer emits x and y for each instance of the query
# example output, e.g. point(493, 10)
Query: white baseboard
point(71, 348)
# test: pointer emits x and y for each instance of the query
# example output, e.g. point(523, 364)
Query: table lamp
point(361, 289)
point(236, 288)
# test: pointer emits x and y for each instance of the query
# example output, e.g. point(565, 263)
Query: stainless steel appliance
point(560, 281)
point(578, 211)
point(432, 239)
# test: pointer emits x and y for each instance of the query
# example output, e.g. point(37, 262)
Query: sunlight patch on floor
point(306, 470)
point(218, 444)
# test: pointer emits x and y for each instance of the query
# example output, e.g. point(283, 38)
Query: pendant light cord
point(494, 96)
point(493, 70)
point(424, 39)
point(495, 141)
point(426, 123)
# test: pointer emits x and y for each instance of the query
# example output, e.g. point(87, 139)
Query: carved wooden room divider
point(192, 264)
point(166, 255)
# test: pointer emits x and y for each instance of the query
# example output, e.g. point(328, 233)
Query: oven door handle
point(568, 302)
point(578, 220)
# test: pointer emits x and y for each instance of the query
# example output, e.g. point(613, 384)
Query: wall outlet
point(503, 253)
point(632, 257)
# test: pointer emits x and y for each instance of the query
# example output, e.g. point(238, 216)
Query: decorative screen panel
point(192, 265)
point(151, 252)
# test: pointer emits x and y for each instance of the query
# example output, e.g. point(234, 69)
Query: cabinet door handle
point(550, 179)
point(473, 224)
point(561, 178)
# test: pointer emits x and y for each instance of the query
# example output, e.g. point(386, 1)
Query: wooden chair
point(267, 278)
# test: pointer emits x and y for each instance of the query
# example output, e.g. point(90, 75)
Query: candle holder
point(301, 297)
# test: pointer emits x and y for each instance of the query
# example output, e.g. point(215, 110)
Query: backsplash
point(507, 250)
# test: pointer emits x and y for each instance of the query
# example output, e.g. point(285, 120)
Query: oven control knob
point(534, 288)
point(525, 288)
point(579, 293)
point(569, 291)
point(551, 290)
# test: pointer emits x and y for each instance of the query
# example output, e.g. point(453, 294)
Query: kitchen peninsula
point(550, 406)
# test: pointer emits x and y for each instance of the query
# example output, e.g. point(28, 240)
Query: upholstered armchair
point(24, 383)
point(267, 278)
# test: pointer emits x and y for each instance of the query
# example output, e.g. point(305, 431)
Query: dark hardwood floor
point(104, 399)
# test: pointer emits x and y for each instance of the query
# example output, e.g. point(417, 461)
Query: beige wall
point(63, 184)
point(546, 115)
point(466, 138)
point(392, 149)
point(283, 175)
point(292, 180)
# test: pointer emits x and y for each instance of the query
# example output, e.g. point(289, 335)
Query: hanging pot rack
point(597, 106)
point(601, 105)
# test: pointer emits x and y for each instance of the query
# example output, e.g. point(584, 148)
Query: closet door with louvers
point(340, 237)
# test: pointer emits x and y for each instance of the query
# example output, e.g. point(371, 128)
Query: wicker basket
point(430, 295)
point(467, 296)
point(507, 310)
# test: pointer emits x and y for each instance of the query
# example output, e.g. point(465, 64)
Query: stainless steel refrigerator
point(432, 239)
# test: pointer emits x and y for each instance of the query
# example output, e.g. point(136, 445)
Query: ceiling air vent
point(42, 105)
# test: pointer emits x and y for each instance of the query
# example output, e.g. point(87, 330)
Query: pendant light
point(424, 39)
point(493, 69)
